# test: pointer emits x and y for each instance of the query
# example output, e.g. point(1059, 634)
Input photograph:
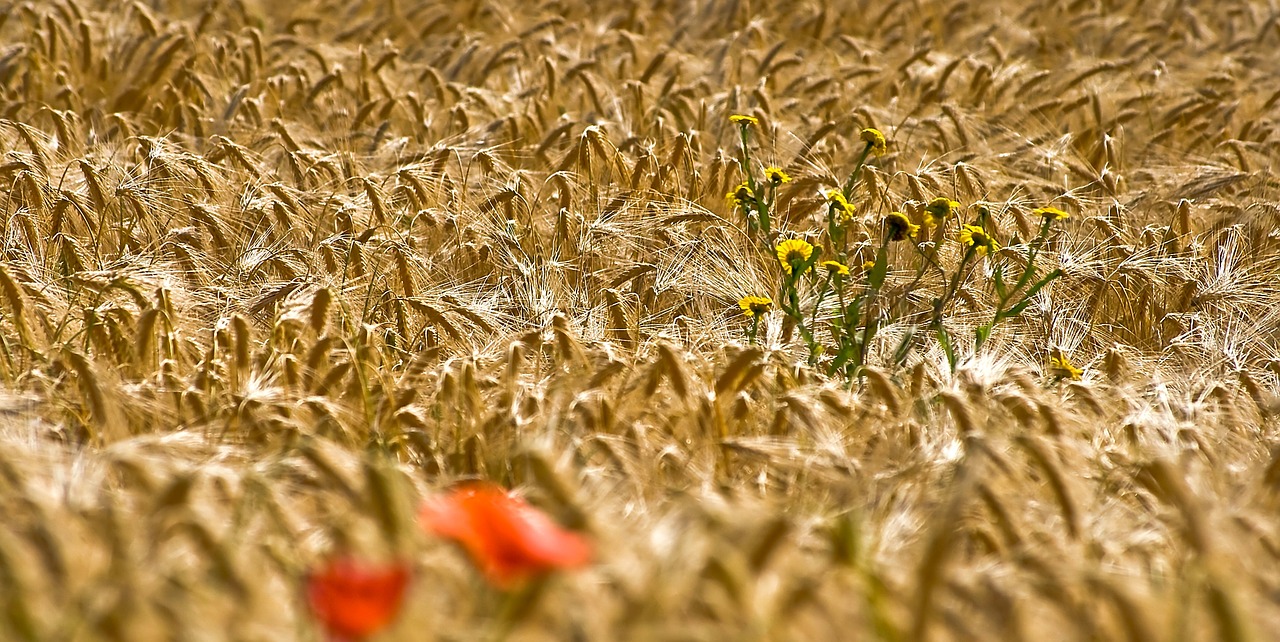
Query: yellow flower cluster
point(839, 205)
point(740, 195)
point(836, 268)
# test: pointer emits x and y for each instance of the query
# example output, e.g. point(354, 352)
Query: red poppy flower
point(353, 600)
point(508, 539)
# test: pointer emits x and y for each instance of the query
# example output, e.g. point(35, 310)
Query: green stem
point(822, 294)
point(951, 289)
point(836, 235)
point(793, 311)
point(857, 172)
point(928, 260)
point(1031, 255)
point(868, 328)
point(764, 206)
point(1027, 272)
point(747, 169)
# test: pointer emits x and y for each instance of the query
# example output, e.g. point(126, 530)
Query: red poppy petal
point(353, 600)
point(544, 540)
point(508, 539)
point(447, 516)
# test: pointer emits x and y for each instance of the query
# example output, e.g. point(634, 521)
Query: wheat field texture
point(275, 272)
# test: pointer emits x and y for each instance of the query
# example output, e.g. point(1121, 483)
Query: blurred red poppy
point(509, 540)
point(353, 599)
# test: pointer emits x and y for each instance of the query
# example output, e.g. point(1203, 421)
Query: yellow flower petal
point(793, 252)
point(1051, 213)
point(1060, 365)
point(875, 141)
point(975, 238)
point(836, 267)
point(754, 306)
point(898, 227)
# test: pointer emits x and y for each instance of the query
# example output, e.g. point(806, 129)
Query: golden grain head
point(271, 278)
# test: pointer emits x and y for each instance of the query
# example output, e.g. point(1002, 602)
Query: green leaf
point(881, 268)
point(841, 359)
point(999, 278)
point(1042, 282)
point(813, 259)
point(853, 313)
point(904, 347)
point(981, 334)
point(1015, 310)
point(1026, 300)
point(873, 326)
point(944, 338)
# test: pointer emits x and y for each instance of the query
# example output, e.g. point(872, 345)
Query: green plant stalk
point(791, 306)
point(924, 265)
point(839, 329)
point(761, 207)
point(1031, 255)
point(872, 325)
point(952, 287)
point(847, 339)
point(857, 172)
point(793, 293)
point(945, 339)
point(1027, 273)
point(822, 294)
point(844, 318)
point(837, 236)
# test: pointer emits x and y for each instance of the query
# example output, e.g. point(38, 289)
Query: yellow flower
point(938, 210)
point(776, 176)
point(744, 120)
point(977, 239)
point(866, 267)
point(836, 267)
point(875, 141)
point(1062, 367)
point(755, 306)
point(898, 227)
point(1051, 213)
point(793, 252)
point(740, 195)
point(838, 204)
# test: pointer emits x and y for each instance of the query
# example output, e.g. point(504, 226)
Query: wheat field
point(275, 272)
